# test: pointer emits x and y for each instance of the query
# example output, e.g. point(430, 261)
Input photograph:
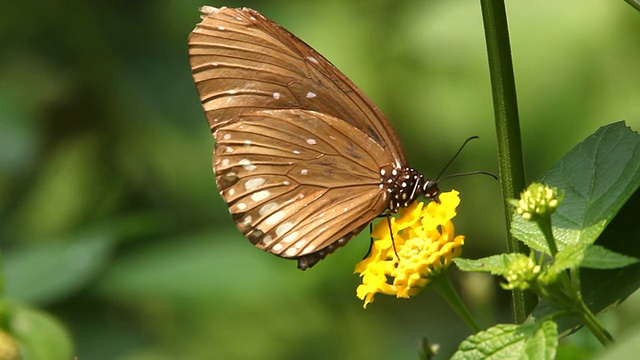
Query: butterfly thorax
point(404, 185)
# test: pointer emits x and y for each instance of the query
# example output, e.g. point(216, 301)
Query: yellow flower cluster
point(537, 200)
point(423, 245)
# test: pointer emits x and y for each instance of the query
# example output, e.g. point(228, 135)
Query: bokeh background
point(110, 219)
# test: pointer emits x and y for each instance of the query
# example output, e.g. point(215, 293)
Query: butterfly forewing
point(243, 62)
point(292, 201)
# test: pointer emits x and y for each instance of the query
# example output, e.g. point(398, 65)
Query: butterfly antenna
point(455, 156)
point(470, 173)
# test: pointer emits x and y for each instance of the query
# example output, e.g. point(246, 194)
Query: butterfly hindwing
point(297, 181)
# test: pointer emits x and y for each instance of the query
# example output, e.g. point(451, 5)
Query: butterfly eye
point(303, 158)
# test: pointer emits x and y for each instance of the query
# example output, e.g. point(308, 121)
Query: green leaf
point(182, 269)
point(496, 264)
point(597, 176)
point(567, 258)
point(509, 341)
point(597, 257)
point(612, 200)
point(39, 335)
point(41, 274)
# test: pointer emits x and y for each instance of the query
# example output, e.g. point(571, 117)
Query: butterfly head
point(407, 185)
point(430, 189)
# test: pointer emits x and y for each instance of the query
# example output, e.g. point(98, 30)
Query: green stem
point(544, 223)
point(443, 286)
point(592, 323)
point(507, 128)
point(634, 3)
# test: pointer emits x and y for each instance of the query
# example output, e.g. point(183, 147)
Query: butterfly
point(303, 159)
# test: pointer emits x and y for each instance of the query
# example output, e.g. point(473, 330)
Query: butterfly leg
point(391, 234)
point(370, 241)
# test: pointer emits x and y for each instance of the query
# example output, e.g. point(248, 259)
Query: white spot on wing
point(221, 28)
point(282, 229)
point(267, 240)
point(260, 195)
point(206, 9)
point(267, 208)
point(311, 141)
point(228, 149)
point(311, 95)
point(276, 95)
point(286, 183)
point(290, 252)
point(275, 218)
point(291, 237)
point(247, 220)
point(277, 247)
point(312, 59)
point(246, 164)
point(232, 191)
point(225, 162)
point(254, 183)
point(227, 136)
point(241, 206)
point(247, 142)
point(297, 152)
point(304, 172)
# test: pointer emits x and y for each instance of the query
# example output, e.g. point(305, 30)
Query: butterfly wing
point(243, 62)
point(298, 183)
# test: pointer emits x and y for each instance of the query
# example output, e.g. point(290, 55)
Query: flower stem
point(507, 125)
point(592, 323)
point(544, 223)
point(443, 286)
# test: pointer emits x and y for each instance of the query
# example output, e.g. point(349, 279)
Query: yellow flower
point(423, 245)
point(537, 201)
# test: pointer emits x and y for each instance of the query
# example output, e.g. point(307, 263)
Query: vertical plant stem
point(507, 128)
point(634, 3)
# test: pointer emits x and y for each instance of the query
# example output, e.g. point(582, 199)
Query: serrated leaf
point(567, 258)
point(543, 343)
point(496, 264)
point(597, 257)
point(509, 341)
point(602, 289)
point(597, 176)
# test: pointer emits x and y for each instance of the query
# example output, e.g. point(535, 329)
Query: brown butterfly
point(302, 157)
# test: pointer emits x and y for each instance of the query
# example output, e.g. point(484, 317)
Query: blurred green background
point(110, 219)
